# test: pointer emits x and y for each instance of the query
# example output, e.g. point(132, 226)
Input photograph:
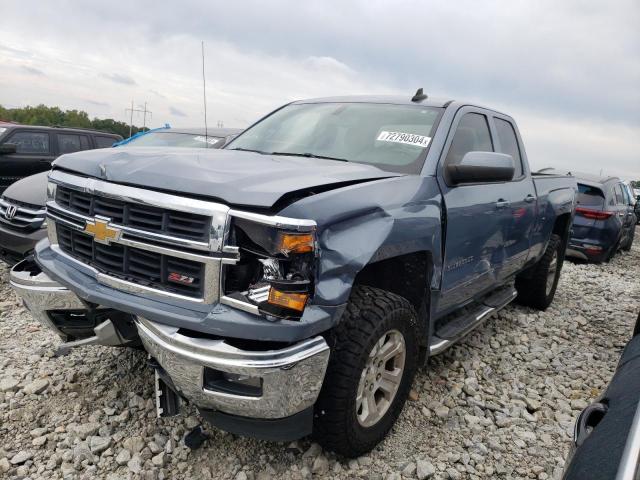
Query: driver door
point(477, 217)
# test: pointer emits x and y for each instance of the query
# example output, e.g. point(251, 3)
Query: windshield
point(391, 137)
point(173, 139)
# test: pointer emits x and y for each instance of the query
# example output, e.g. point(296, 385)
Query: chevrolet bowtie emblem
point(101, 232)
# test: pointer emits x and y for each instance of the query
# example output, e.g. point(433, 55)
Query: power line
point(143, 110)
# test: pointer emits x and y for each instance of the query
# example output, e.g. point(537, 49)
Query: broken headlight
point(276, 269)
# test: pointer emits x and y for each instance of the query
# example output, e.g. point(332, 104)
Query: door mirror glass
point(482, 167)
point(8, 148)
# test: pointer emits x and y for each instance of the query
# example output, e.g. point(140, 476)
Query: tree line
point(55, 116)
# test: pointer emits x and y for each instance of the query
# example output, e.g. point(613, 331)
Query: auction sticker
point(209, 140)
point(406, 138)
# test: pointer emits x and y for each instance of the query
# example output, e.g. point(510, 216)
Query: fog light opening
point(231, 383)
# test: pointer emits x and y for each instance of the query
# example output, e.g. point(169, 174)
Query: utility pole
point(131, 120)
point(144, 111)
point(144, 118)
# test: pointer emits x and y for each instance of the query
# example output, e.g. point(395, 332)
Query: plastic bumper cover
point(290, 378)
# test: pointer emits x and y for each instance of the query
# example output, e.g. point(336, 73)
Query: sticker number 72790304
point(406, 138)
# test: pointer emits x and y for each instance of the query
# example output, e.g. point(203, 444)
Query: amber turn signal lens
point(293, 301)
point(296, 243)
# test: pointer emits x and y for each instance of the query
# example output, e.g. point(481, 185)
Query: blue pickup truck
point(292, 282)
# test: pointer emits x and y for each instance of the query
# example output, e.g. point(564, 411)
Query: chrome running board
point(459, 327)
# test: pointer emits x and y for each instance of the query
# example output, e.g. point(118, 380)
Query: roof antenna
point(419, 96)
point(204, 94)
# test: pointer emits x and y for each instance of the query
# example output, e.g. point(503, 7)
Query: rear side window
point(619, 195)
point(104, 142)
point(30, 142)
point(69, 143)
point(472, 135)
point(509, 144)
point(589, 196)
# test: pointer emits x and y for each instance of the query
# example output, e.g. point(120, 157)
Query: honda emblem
point(10, 212)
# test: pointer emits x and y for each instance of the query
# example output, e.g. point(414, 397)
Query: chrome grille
point(133, 264)
point(21, 216)
point(145, 217)
point(163, 245)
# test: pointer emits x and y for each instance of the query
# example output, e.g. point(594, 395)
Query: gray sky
point(568, 71)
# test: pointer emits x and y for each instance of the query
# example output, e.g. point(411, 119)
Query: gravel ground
point(501, 404)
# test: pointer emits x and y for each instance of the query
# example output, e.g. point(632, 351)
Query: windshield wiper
point(247, 150)
point(308, 155)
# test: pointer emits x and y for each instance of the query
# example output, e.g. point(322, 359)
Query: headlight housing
point(276, 270)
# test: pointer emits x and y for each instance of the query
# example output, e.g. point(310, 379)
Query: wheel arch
point(561, 227)
point(407, 275)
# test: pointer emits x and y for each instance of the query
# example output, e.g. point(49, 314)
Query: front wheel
point(538, 288)
point(370, 372)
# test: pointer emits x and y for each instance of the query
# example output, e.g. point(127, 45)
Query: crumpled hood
point(234, 177)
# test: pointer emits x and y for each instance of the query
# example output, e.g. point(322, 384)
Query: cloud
point(32, 71)
point(119, 78)
point(157, 94)
point(567, 71)
point(96, 103)
point(178, 113)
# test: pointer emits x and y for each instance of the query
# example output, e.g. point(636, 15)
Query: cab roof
point(397, 100)
point(56, 128)
point(389, 99)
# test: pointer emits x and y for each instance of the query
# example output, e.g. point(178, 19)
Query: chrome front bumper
point(290, 378)
point(42, 294)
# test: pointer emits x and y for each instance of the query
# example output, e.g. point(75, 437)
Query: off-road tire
point(370, 313)
point(629, 244)
point(532, 288)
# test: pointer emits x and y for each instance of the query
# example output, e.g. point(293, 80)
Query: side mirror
point(481, 167)
point(8, 148)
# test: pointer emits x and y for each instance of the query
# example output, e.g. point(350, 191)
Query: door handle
point(529, 198)
point(588, 420)
point(502, 203)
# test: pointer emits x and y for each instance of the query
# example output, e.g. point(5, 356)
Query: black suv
point(27, 149)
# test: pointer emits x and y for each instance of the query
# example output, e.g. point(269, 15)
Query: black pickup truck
point(292, 282)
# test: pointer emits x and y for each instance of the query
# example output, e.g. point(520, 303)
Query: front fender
point(369, 222)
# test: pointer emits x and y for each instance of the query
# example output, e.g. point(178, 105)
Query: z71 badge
point(179, 278)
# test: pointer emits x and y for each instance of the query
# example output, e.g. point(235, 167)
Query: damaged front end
point(275, 274)
point(59, 309)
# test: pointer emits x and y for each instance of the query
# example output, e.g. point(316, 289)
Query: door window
point(69, 143)
point(472, 135)
point(30, 142)
point(104, 142)
point(509, 144)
